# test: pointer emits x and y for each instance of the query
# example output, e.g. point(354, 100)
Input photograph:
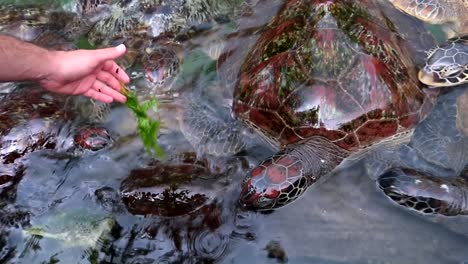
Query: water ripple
point(210, 245)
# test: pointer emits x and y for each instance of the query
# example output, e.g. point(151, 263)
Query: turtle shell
point(336, 69)
point(171, 188)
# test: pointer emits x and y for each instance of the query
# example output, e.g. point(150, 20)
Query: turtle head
point(446, 65)
point(277, 181)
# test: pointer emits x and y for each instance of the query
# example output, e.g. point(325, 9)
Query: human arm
point(92, 73)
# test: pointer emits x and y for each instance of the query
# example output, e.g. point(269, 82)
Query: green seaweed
point(147, 128)
point(83, 43)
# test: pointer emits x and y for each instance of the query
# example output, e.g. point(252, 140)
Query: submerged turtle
point(50, 26)
point(453, 13)
point(429, 173)
point(80, 228)
point(24, 22)
point(33, 119)
point(169, 188)
point(325, 80)
point(146, 19)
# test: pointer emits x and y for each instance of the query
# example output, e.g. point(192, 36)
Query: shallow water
point(92, 206)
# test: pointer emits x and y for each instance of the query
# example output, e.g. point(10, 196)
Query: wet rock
point(275, 251)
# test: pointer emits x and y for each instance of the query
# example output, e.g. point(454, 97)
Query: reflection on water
point(62, 203)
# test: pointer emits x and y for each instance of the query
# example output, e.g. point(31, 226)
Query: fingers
point(103, 59)
point(108, 79)
point(93, 73)
point(114, 69)
point(102, 88)
point(98, 96)
point(109, 53)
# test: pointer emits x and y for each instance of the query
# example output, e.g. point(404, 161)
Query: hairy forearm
point(22, 61)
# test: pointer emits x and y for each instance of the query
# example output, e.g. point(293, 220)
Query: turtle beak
point(247, 198)
point(430, 79)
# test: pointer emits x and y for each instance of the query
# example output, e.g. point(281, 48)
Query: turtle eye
point(438, 68)
point(451, 71)
point(263, 203)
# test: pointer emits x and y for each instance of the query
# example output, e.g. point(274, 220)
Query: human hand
point(92, 73)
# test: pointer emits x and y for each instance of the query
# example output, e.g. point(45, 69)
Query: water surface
point(88, 211)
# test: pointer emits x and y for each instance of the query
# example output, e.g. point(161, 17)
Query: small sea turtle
point(124, 20)
point(182, 202)
point(169, 188)
point(45, 25)
point(24, 22)
point(80, 228)
point(429, 173)
point(34, 119)
point(152, 19)
point(451, 12)
point(161, 62)
point(323, 81)
point(181, 86)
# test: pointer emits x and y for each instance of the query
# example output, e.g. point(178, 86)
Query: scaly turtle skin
point(453, 12)
point(429, 173)
point(447, 65)
point(324, 80)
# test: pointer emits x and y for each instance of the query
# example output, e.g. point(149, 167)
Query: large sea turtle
point(453, 13)
point(320, 86)
point(325, 79)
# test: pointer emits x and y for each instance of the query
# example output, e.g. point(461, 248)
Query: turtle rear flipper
point(441, 139)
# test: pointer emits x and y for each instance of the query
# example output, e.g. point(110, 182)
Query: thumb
point(106, 54)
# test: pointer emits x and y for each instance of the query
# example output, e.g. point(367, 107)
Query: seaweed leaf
point(148, 129)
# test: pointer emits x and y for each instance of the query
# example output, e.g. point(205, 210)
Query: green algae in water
point(147, 128)
point(83, 43)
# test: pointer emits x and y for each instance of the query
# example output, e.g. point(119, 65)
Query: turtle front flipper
point(429, 173)
point(425, 193)
point(209, 133)
point(285, 176)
